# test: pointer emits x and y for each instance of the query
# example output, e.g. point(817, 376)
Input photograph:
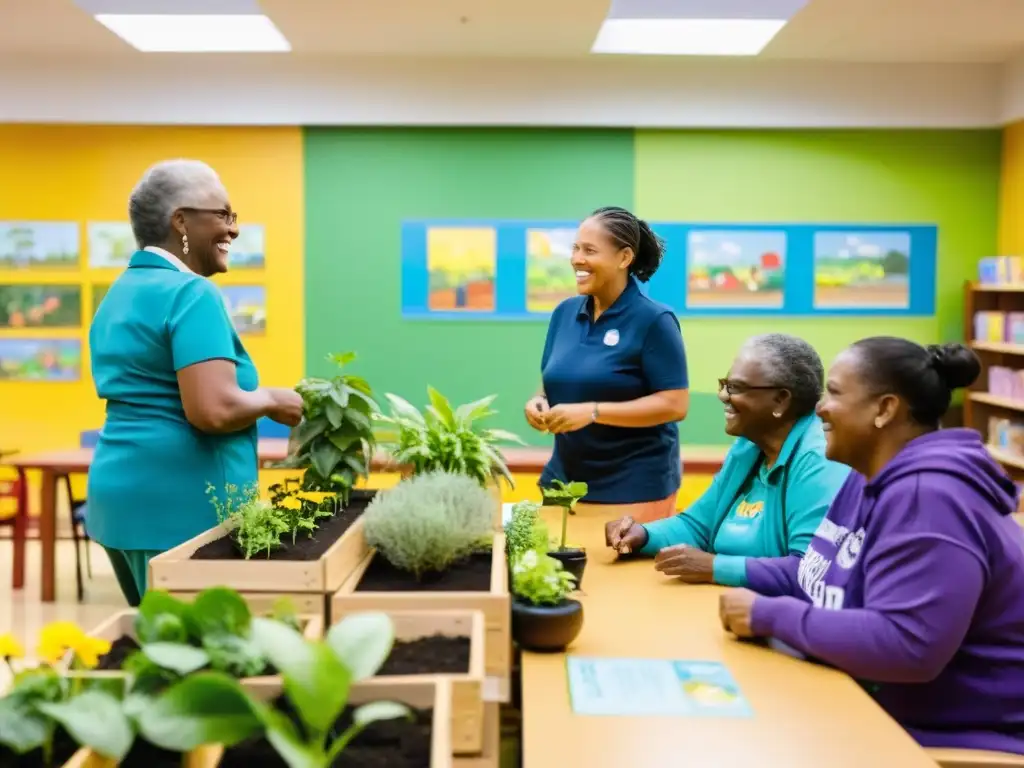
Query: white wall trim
point(605, 91)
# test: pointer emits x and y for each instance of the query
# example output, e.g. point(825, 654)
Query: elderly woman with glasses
point(182, 395)
point(775, 485)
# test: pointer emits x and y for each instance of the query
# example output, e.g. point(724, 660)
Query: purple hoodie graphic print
point(914, 584)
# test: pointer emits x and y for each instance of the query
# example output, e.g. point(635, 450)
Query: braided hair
point(627, 231)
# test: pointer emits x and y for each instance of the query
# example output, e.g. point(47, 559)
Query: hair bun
point(957, 365)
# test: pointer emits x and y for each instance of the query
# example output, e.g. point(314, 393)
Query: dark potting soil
point(120, 650)
point(63, 749)
point(470, 575)
point(428, 656)
point(305, 548)
point(385, 744)
point(145, 755)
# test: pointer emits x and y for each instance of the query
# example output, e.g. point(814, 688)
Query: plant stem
point(565, 525)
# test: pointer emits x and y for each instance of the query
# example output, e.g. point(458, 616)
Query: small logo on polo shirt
point(611, 338)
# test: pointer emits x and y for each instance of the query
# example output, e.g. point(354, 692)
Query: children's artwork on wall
point(39, 244)
point(461, 265)
point(247, 252)
point(40, 359)
point(862, 269)
point(549, 275)
point(111, 244)
point(40, 306)
point(247, 305)
point(99, 290)
point(733, 268)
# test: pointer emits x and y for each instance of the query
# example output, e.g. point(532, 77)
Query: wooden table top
point(805, 716)
point(696, 458)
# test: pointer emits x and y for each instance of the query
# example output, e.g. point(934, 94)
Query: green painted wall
point(361, 183)
point(948, 178)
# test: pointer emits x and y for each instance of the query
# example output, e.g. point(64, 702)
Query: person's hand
point(569, 417)
point(537, 413)
point(285, 406)
point(735, 609)
point(625, 535)
point(692, 565)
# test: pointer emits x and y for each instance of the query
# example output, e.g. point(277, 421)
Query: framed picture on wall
point(461, 268)
point(247, 252)
point(862, 269)
point(247, 305)
point(111, 244)
point(40, 306)
point(736, 269)
point(550, 278)
point(40, 359)
point(39, 244)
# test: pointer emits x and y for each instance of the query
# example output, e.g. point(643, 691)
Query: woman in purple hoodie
point(914, 581)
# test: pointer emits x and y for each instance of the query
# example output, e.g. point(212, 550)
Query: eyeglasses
point(738, 387)
point(228, 217)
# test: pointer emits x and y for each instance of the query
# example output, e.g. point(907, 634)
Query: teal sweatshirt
point(754, 512)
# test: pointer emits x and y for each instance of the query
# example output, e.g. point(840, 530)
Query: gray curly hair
point(164, 188)
point(793, 364)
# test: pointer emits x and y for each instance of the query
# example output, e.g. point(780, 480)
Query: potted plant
point(334, 443)
point(443, 438)
point(566, 496)
point(433, 547)
point(544, 618)
point(310, 719)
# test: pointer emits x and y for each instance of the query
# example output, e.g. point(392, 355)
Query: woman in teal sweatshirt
point(775, 485)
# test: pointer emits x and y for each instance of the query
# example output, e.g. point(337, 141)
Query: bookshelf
point(994, 405)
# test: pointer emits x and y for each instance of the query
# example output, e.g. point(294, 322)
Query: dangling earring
point(878, 423)
point(184, 244)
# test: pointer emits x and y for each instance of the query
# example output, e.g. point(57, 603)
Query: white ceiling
point(920, 31)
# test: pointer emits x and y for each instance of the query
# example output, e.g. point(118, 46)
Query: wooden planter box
point(467, 688)
point(174, 571)
point(494, 605)
point(204, 757)
point(123, 623)
point(262, 603)
point(426, 692)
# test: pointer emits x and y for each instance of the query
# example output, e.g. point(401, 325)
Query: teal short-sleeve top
point(149, 477)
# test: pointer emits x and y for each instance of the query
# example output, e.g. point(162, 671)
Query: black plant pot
point(574, 561)
point(546, 628)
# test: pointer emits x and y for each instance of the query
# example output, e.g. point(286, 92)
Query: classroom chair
point(975, 758)
point(14, 506)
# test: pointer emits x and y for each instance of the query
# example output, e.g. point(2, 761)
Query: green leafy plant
point(540, 579)
point(428, 522)
point(566, 496)
point(446, 438)
point(335, 441)
point(210, 708)
point(256, 525)
point(525, 530)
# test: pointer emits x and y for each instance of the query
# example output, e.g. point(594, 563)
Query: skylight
point(197, 33)
point(686, 37)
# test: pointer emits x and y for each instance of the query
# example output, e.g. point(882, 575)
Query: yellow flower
point(10, 648)
point(58, 638)
point(317, 497)
point(290, 502)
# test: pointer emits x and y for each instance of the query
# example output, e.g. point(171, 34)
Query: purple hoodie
point(914, 585)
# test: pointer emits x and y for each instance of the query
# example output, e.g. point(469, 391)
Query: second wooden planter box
point(493, 603)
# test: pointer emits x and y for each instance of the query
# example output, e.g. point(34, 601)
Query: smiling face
point(601, 264)
point(751, 399)
point(211, 226)
point(851, 414)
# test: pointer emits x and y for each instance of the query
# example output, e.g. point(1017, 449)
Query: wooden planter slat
point(203, 757)
point(490, 756)
point(426, 692)
point(467, 688)
point(494, 604)
point(262, 603)
point(174, 571)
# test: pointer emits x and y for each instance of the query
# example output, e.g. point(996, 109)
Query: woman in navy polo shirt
point(614, 374)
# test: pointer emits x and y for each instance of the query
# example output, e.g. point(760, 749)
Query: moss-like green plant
point(334, 444)
point(525, 530)
point(540, 579)
point(256, 525)
point(428, 522)
point(446, 438)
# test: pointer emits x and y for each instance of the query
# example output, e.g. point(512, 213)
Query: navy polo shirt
point(635, 348)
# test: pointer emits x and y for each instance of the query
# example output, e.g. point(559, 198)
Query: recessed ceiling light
point(686, 37)
point(196, 33)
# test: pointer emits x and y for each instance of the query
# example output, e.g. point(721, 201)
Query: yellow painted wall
point(85, 173)
point(1011, 192)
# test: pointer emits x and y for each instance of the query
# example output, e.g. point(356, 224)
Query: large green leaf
point(220, 609)
point(467, 413)
point(22, 728)
point(163, 618)
point(95, 720)
point(334, 412)
point(309, 430)
point(177, 657)
point(325, 457)
point(204, 708)
point(442, 407)
point(363, 642)
point(340, 394)
point(501, 434)
point(360, 384)
point(404, 409)
point(359, 420)
point(379, 710)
